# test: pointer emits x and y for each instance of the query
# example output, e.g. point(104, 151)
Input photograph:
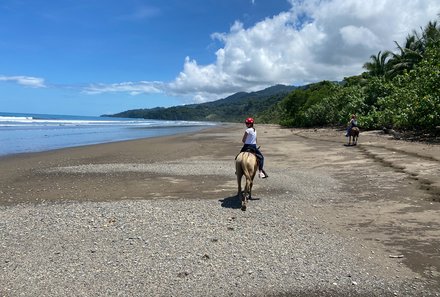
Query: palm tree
point(412, 52)
point(409, 55)
point(378, 64)
point(431, 33)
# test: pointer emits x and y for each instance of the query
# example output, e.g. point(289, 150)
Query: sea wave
point(13, 119)
point(20, 133)
point(21, 121)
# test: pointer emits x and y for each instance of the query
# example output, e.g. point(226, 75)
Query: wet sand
point(389, 199)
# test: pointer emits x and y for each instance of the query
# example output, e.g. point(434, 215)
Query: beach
point(160, 217)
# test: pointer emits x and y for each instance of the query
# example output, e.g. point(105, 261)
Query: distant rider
point(352, 123)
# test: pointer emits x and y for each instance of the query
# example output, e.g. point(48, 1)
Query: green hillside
point(231, 109)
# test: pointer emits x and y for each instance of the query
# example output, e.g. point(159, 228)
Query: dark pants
point(257, 153)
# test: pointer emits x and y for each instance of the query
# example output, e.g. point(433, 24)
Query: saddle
point(252, 151)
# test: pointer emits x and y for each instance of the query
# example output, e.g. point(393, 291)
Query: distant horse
point(353, 136)
point(245, 164)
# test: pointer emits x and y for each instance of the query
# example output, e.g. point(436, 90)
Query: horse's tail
point(356, 131)
point(248, 167)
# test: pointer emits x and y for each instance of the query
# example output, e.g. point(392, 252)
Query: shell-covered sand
point(160, 217)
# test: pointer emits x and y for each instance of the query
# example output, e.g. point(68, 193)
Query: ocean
point(24, 133)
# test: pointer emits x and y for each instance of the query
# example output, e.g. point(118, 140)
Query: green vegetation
point(231, 109)
point(398, 90)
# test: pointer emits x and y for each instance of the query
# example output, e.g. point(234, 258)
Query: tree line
point(399, 90)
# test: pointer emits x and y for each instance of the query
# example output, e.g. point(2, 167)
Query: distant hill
point(230, 109)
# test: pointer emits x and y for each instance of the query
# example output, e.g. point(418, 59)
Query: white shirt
point(251, 137)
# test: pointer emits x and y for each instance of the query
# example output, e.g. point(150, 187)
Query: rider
point(352, 123)
point(250, 142)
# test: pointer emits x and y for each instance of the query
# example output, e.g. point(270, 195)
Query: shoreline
point(48, 139)
point(349, 210)
point(32, 184)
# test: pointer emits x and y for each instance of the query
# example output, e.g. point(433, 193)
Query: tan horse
point(353, 135)
point(245, 164)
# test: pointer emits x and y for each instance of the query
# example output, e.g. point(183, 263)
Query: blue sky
point(93, 57)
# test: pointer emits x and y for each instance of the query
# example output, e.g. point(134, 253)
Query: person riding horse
point(352, 123)
point(250, 143)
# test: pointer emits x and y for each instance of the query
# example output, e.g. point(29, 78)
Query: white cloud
point(352, 36)
point(315, 40)
point(133, 88)
point(28, 81)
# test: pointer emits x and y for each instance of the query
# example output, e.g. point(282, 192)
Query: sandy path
point(380, 196)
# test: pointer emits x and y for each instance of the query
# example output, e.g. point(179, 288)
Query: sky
point(94, 57)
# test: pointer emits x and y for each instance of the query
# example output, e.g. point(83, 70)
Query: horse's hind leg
point(247, 194)
point(239, 176)
point(250, 190)
point(244, 199)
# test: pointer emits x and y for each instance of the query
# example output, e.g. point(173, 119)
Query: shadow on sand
point(233, 202)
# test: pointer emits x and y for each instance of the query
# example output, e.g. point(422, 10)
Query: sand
point(383, 193)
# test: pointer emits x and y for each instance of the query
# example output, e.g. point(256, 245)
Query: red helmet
point(249, 121)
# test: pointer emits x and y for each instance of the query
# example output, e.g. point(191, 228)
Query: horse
point(353, 135)
point(245, 164)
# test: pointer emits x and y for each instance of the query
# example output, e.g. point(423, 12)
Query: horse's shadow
point(233, 202)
